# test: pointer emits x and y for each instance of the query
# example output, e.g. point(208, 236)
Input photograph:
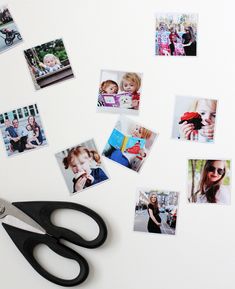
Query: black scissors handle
point(41, 213)
point(26, 242)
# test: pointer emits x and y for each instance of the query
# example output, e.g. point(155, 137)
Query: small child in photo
point(81, 166)
point(129, 144)
point(32, 137)
point(22, 130)
point(209, 181)
point(119, 92)
point(194, 119)
point(156, 211)
point(9, 33)
point(176, 34)
point(48, 63)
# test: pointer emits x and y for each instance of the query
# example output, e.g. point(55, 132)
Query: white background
point(119, 35)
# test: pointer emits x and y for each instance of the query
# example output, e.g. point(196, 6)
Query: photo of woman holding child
point(81, 166)
point(119, 91)
point(209, 181)
point(22, 130)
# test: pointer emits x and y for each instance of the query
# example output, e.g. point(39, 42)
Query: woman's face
point(153, 199)
point(215, 171)
point(80, 163)
point(31, 120)
point(207, 110)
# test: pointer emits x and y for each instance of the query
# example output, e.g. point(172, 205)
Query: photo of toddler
point(119, 92)
point(81, 166)
point(129, 144)
point(48, 63)
point(194, 119)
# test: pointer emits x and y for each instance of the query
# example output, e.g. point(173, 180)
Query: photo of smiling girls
point(156, 211)
point(176, 34)
point(209, 181)
point(119, 92)
point(81, 166)
point(129, 144)
point(48, 63)
point(194, 119)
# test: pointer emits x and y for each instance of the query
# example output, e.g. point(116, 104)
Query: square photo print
point(176, 34)
point(9, 33)
point(48, 63)
point(81, 166)
point(194, 119)
point(119, 92)
point(209, 181)
point(129, 144)
point(156, 211)
point(22, 130)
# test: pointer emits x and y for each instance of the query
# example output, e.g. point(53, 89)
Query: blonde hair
point(209, 102)
point(134, 77)
point(50, 55)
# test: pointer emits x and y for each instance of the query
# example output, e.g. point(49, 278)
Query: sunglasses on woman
point(213, 170)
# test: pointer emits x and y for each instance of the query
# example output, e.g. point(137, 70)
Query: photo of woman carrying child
point(194, 119)
point(119, 92)
point(81, 166)
point(22, 130)
point(129, 144)
point(176, 35)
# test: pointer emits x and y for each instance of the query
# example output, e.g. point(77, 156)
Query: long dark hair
point(192, 34)
point(154, 204)
point(34, 125)
point(210, 191)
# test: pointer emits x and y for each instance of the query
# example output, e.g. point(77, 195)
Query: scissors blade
point(7, 209)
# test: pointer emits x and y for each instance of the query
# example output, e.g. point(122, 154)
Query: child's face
point(207, 110)
point(129, 86)
point(50, 61)
point(7, 123)
point(81, 163)
point(137, 131)
point(29, 127)
point(111, 89)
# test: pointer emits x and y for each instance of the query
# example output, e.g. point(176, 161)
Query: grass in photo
point(48, 63)
point(156, 211)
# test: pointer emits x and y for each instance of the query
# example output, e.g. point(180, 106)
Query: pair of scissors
point(37, 215)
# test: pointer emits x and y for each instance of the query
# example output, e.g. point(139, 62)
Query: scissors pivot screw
point(2, 210)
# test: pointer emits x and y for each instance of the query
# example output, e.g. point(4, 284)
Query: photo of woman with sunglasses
point(209, 181)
